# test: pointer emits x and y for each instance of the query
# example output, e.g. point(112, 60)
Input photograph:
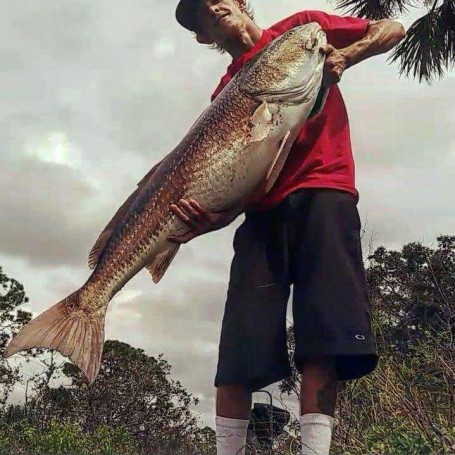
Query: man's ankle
point(316, 433)
point(231, 436)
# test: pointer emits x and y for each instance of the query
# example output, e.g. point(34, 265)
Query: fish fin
point(67, 329)
point(261, 123)
point(272, 174)
point(278, 163)
point(149, 174)
point(106, 234)
point(161, 262)
point(99, 247)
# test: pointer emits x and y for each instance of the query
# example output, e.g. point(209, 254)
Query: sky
point(95, 92)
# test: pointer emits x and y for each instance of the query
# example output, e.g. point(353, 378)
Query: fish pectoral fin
point(278, 163)
point(274, 171)
point(161, 262)
point(261, 123)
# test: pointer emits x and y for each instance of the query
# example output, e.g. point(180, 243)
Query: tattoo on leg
point(326, 398)
point(319, 387)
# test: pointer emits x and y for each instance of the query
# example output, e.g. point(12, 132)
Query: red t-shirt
point(321, 157)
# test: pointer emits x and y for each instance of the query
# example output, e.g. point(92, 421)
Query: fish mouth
point(220, 18)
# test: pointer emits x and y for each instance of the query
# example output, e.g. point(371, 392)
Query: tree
point(131, 396)
point(133, 390)
point(12, 319)
point(428, 50)
point(407, 405)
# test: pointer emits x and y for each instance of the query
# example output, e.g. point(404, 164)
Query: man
point(305, 232)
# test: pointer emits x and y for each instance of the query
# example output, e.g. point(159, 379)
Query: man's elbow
point(399, 32)
point(389, 33)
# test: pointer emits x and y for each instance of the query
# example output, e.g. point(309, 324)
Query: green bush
point(396, 440)
point(64, 438)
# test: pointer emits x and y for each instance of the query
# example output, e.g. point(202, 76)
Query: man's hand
point(380, 37)
point(335, 64)
point(199, 220)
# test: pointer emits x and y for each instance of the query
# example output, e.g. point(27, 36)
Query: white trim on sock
point(230, 436)
point(316, 433)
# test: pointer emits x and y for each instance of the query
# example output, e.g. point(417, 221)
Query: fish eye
point(311, 43)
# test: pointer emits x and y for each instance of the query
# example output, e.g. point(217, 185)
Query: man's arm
point(381, 36)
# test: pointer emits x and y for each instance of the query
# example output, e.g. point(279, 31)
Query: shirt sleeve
point(341, 31)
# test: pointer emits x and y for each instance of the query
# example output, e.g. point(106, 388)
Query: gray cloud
point(43, 205)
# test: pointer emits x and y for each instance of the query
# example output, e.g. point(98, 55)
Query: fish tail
point(67, 328)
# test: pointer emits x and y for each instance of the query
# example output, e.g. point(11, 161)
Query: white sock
point(230, 436)
point(316, 433)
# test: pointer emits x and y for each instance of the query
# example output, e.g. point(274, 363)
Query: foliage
point(407, 404)
point(132, 406)
point(132, 391)
point(12, 319)
point(64, 438)
point(428, 50)
point(430, 57)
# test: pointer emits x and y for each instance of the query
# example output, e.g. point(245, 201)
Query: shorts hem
point(255, 383)
point(349, 366)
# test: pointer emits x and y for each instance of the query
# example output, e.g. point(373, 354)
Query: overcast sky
point(95, 92)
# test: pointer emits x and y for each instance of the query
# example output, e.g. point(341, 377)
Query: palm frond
point(447, 27)
point(423, 52)
point(374, 9)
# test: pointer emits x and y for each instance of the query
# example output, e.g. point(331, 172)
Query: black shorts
point(312, 241)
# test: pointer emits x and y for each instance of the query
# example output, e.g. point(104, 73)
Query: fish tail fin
point(67, 328)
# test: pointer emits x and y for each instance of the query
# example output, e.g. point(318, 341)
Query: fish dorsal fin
point(105, 236)
point(261, 123)
point(103, 239)
point(161, 262)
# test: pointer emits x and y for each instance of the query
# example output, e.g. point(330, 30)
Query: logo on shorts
point(360, 337)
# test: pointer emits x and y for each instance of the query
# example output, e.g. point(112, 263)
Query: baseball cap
point(186, 14)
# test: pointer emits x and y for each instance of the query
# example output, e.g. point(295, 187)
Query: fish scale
point(239, 144)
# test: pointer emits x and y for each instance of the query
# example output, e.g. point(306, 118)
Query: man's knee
point(320, 366)
point(319, 385)
point(233, 401)
point(236, 392)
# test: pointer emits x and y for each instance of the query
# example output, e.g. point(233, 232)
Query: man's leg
point(318, 396)
point(252, 349)
point(233, 402)
point(331, 305)
point(233, 408)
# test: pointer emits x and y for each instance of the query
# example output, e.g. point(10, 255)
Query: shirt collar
point(236, 64)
